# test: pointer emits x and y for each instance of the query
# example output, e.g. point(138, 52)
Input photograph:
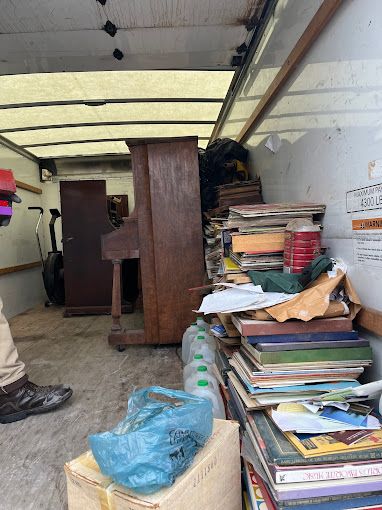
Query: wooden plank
point(311, 33)
point(371, 320)
point(28, 187)
point(20, 267)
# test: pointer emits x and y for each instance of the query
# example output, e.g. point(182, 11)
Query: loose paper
point(241, 299)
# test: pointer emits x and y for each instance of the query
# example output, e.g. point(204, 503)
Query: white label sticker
point(364, 199)
point(374, 169)
point(368, 248)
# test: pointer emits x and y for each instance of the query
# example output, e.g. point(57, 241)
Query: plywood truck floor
point(73, 350)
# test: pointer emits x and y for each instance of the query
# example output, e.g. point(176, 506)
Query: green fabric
point(276, 281)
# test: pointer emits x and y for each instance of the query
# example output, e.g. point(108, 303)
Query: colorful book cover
point(325, 444)
point(254, 493)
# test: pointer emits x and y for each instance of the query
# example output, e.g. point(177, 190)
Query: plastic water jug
point(193, 365)
point(205, 390)
point(188, 339)
point(202, 323)
point(201, 372)
point(201, 345)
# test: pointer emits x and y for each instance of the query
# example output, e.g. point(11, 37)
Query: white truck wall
point(24, 289)
point(328, 118)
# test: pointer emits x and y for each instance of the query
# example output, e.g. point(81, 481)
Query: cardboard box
point(213, 482)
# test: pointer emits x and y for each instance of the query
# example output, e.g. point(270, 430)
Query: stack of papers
point(308, 419)
point(240, 298)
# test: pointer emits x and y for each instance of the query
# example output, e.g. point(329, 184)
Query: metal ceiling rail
point(101, 102)
point(94, 140)
point(107, 123)
point(112, 155)
point(240, 74)
point(18, 149)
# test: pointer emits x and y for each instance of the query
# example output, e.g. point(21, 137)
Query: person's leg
point(19, 397)
point(12, 369)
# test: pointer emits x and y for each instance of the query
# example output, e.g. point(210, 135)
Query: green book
point(313, 355)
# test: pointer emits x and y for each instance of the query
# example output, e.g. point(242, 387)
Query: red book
point(252, 327)
point(7, 182)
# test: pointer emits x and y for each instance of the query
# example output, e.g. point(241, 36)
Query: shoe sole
point(21, 415)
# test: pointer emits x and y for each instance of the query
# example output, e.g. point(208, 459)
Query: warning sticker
point(367, 241)
point(367, 224)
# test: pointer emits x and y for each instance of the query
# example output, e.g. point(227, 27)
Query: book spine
point(292, 327)
point(351, 353)
point(304, 337)
point(315, 492)
point(327, 473)
point(355, 501)
point(349, 501)
point(258, 242)
point(308, 346)
point(260, 441)
point(356, 456)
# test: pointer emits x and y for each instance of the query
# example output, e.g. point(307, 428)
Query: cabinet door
point(88, 278)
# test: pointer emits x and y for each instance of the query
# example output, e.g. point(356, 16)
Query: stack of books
point(217, 259)
point(244, 192)
point(212, 233)
point(335, 475)
point(310, 441)
point(255, 233)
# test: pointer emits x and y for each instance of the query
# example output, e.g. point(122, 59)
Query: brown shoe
point(31, 399)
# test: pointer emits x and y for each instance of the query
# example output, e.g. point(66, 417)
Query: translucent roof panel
point(82, 149)
point(31, 88)
point(77, 134)
point(15, 118)
point(61, 114)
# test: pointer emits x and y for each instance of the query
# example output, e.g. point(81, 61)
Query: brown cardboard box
point(212, 482)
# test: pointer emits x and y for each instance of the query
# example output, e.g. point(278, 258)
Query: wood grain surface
point(88, 278)
point(177, 230)
point(19, 267)
point(28, 187)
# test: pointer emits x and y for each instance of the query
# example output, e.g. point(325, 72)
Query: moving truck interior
point(106, 108)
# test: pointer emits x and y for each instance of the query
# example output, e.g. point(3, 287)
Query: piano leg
point(116, 308)
point(118, 336)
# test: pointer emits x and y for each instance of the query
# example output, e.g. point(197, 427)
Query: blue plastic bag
point(156, 442)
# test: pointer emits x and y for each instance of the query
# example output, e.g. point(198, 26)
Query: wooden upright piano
point(165, 233)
